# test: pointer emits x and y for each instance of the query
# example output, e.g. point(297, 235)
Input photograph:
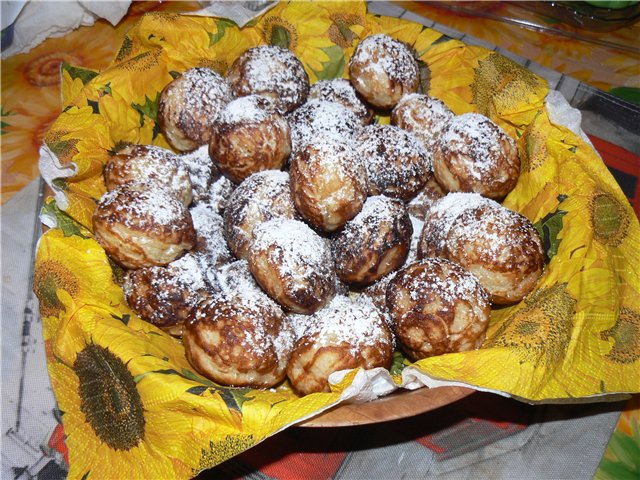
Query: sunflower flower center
point(109, 398)
point(626, 334)
point(609, 219)
point(44, 71)
point(50, 276)
point(340, 31)
point(277, 31)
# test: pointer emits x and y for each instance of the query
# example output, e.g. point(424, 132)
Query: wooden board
point(400, 404)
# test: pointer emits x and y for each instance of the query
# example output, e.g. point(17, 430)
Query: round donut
point(249, 136)
point(500, 247)
point(189, 105)
point(382, 70)
point(328, 183)
point(166, 296)
point(422, 115)
point(341, 91)
point(397, 165)
point(346, 334)
point(152, 165)
point(473, 154)
point(437, 307)
point(293, 264)
point(317, 120)
point(235, 344)
point(273, 72)
point(141, 227)
point(374, 243)
point(260, 197)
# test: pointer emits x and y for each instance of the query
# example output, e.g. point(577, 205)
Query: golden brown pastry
point(273, 72)
point(500, 247)
point(237, 344)
point(152, 165)
point(346, 334)
point(374, 243)
point(341, 91)
point(328, 183)
point(473, 154)
point(317, 120)
point(422, 115)
point(166, 296)
point(189, 105)
point(139, 226)
point(261, 197)
point(397, 165)
point(437, 307)
point(293, 264)
point(382, 70)
point(249, 136)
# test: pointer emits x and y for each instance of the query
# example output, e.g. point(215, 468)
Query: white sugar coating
point(383, 55)
point(337, 157)
point(426, 117)
point(345, 321)
point(395, 160)
point(320, 119)
point(300, 323)
point(256, 195)
point(444, 212)
point(427, 108)
point(200, 168)
point(249, 109)
point(478, 138)
point(219, 193)
point(186, 271)
point(498, 231)
point(375, 210)
point(415, 239)
point(269, 68)
point(237, 285)
point(341, 91)
point(204, 88)
point(449, 281)
point(153, 163)
point(212, 248)
point(146, 207)
point(298, 251)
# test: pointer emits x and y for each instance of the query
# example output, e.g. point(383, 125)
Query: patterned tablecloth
point(484, 434)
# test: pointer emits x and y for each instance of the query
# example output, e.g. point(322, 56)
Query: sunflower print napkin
point(132, 405)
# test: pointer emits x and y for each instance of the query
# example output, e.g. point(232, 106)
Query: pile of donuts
point(291, 237)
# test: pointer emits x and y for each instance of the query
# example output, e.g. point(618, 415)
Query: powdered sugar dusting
point(477, 138)
point(382, 54)
point(250, 109)
point(341, 91)
point(200, 168)
point(320, 119)
point(344, 321)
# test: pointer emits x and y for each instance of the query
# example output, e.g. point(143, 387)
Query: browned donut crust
point(473, 154)
point(328, 183)
point(344, 335)
point(189, 105)
point(437, 307)
point(260, 197)
point(249, 136)
point(152, 165)
point(382, 70)
point(397, 165)
point(317, 120)
point(273, 72)
point(293, 264)
point(166, 296)
point(341, 91)
point(142, 227)
point(374, 243)
point(236, 344)
point(500, 247)
point(424, 116)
